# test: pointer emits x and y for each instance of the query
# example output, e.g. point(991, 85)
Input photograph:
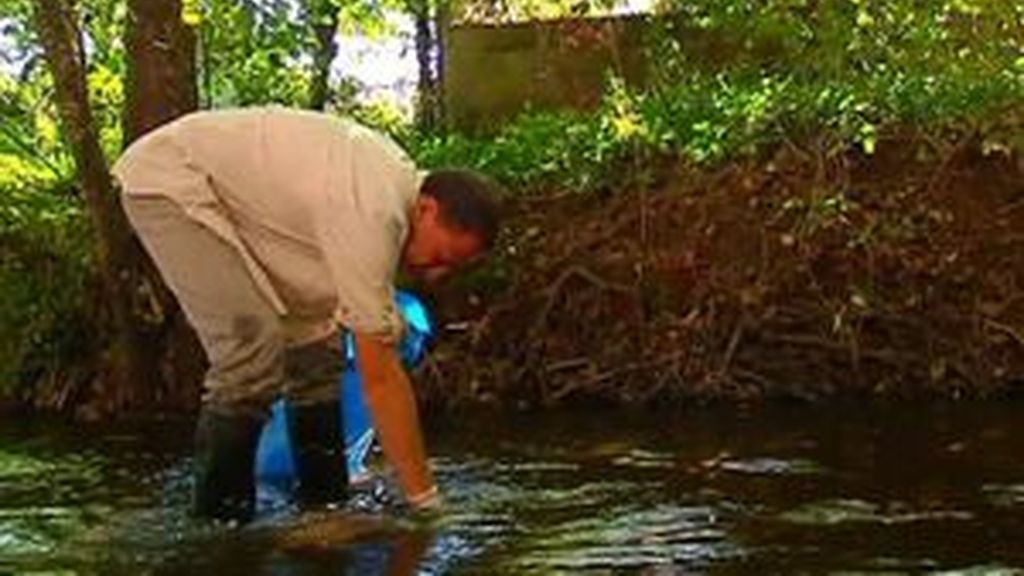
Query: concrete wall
point(494, 72)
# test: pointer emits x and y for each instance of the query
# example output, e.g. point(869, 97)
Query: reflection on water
point(831, 512)
point(851, 489)
point(775, 466)
point(1004, 495)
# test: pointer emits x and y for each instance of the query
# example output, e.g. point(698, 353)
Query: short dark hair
point(469, 201)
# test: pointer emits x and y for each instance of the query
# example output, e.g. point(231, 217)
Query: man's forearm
point(393, 405)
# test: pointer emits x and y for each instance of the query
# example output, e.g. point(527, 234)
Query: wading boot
point(319, 449)
point(223, 469)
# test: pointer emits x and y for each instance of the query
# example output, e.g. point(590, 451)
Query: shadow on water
point(782, 489)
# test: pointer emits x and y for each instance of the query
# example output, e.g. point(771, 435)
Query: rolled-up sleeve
point(361, 228)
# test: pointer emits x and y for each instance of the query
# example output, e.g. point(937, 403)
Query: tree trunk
point(127, 380)
point(323, 17)
point(161, 80)
point(442, 22)
point(425, 107)
point(161, 86)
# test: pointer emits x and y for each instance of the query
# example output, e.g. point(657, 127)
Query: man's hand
point(393, 405)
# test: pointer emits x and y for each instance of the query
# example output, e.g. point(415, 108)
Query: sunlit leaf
point(191, 12)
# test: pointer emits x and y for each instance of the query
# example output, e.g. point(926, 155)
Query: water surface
point(784, 489)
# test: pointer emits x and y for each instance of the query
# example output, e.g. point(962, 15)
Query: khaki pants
point(251, 364)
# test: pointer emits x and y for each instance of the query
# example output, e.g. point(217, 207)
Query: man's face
point(434, 249)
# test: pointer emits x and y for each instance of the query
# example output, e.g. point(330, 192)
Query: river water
point(780, 489)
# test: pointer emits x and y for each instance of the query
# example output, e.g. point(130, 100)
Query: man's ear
point(427, 207)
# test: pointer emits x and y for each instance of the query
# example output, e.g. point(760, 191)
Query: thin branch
point(1005, 329)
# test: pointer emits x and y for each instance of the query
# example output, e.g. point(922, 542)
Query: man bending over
point(274, 228)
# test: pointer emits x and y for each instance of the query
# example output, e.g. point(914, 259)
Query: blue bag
point(274, 460)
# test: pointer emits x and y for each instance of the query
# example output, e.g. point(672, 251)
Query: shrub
point(45, 269)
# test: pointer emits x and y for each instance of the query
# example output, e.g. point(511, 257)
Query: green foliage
point(253, 53)
point(29, 130)
point(45, 250)
point(257, 53)
point(489, 11)
point(850, 70)
point(45, 267)
point(539, 147)
point(104, 29)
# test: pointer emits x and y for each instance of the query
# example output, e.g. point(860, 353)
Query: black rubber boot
point(224, 460)
point(319, 448)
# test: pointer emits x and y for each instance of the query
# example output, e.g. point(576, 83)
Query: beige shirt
point(317, 206)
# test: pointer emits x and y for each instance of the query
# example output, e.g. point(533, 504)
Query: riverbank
point(808, 271)
point(805, 272)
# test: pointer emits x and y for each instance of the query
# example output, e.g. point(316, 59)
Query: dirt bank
point(805, 273)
